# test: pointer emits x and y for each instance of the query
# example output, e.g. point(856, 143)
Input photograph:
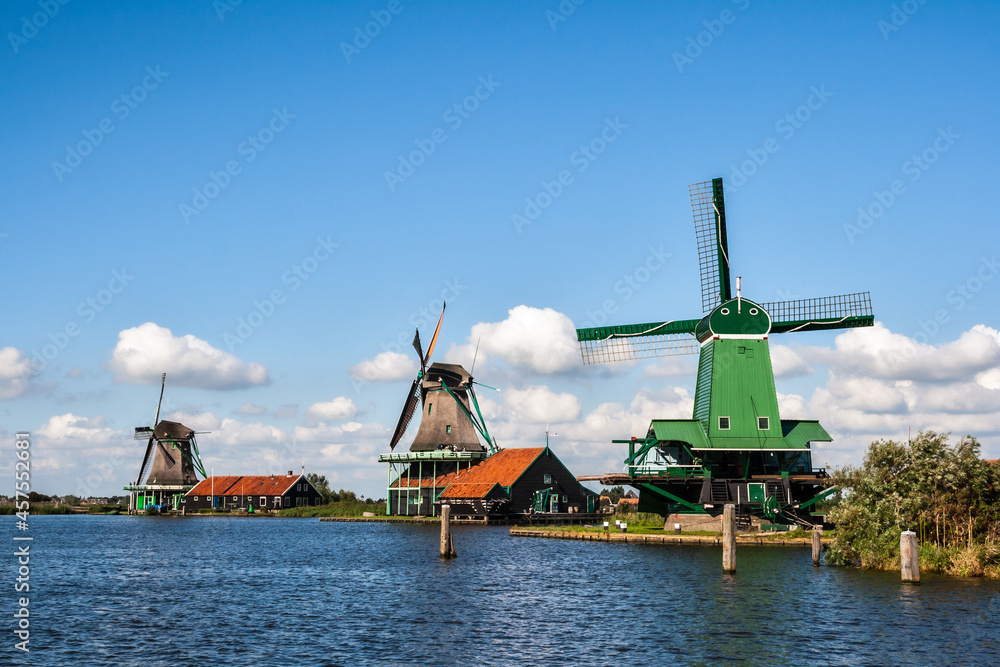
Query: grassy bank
point(342, 508)
point(37, 509)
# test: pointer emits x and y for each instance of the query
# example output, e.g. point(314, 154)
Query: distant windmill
point(736, 448)
point(170, 464)
point(447, 420)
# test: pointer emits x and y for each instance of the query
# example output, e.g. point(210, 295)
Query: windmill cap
point(736, 317)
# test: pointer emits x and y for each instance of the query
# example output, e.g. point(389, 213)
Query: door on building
point(590, 504)
point(554, 503)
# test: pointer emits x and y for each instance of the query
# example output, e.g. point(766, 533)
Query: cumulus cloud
point(249, 408)
point(145, 351)
point(882, 385)
point(878, 352)
point(673, 367)
point(386, 367)
point(71, 429)
point(788, 363)
point(338, 408)
point(542, 340)
point(538, 404)
point(15, 369)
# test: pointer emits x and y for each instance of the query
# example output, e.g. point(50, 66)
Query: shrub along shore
point(944, 492)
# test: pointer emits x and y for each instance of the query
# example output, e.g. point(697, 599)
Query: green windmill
point(735, 448)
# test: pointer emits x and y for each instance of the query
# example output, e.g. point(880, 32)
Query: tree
point(71, 500)
point(615, 494)
point(35, 497)
point(946, 493)
point(319, 481)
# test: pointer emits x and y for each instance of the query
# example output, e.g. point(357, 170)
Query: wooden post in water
point(447, 546)
point(909, 557)
point(729, 538)
point(817, 544)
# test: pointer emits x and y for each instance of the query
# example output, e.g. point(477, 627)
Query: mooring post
point(909, 557)
point(817, 544)
point(447, 546)
point(729, 539)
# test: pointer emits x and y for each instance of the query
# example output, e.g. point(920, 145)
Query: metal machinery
point(171, 460)
point(735, 448)
point(446, 440)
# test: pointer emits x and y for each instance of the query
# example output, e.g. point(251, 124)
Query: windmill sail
point(407, 414)
point(709, 210)
point(637, 341)
point(829, 312)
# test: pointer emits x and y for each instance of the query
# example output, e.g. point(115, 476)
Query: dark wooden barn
point(257, 493)
point(511, 483)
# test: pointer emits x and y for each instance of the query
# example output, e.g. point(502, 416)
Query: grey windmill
point(170, 465)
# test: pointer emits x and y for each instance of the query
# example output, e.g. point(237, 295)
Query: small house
point(508, 484)
point(253, 493)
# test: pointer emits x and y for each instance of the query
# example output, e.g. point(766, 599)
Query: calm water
point(225, 591)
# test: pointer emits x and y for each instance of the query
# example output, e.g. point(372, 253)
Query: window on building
point(447, 429)
point(763, 423)
point(546, 479)
point(263, 501)
point(288, 501)
point(723, 423)
point(196, 497)
point(298, 502)
point(430, 408)
point(277, 501)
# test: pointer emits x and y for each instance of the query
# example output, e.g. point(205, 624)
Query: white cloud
point(69, 429)
point(541, 340)
point(338, 408)
point(249, 408)
point(679, 366)
point(15, 369)
point(882, 385)
point(143, 352)
point(788, 363)
point(540, 405)
point(876, 351)
point(386, 367)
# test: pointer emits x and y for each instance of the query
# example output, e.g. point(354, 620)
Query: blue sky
point(173, 169)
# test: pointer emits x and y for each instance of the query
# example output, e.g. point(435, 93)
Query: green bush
point(945, 493)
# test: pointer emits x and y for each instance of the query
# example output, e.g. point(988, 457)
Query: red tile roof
point(245, 485)
point(461, 490)
point(502, 468)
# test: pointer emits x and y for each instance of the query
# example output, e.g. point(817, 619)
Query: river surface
point(258, 591)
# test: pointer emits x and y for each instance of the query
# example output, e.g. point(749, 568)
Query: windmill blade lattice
point(829, 312)
point(709, 209)
point(637, 341)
